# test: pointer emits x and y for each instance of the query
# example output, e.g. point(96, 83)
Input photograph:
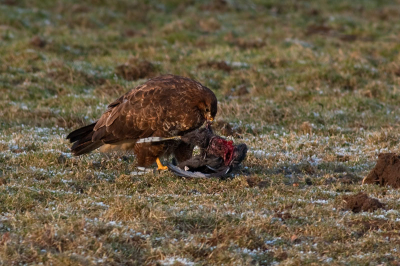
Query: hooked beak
point(209, 118)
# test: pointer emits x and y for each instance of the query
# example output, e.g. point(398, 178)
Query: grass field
point(313, 89)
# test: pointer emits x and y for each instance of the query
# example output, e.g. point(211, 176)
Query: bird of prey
point(165, 106)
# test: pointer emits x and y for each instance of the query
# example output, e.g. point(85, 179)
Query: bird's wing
point(157, 139)
point(180, 172)
point(155, 108)
point(166, 106)
point(137, 114)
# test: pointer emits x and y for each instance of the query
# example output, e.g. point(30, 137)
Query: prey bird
point(217, 157)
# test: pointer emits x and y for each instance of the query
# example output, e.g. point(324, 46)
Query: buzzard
point(165, 106)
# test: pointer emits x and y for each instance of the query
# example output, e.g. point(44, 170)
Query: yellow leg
point(160, 166)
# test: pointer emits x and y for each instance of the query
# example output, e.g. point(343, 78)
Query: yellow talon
point(160, 166)
point(362, 183)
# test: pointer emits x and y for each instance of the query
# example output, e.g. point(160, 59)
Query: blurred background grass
point(271, 63)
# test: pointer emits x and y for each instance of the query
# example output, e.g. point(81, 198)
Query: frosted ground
point(312, 87)
point(95, 200)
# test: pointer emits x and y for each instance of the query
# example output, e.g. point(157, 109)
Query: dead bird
point(217, 157)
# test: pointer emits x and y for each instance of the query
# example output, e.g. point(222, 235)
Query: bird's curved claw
point(162, 168)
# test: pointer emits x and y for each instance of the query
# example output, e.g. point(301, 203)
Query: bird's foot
point(160, 166)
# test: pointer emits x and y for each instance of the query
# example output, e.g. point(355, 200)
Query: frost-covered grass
point(311, 87)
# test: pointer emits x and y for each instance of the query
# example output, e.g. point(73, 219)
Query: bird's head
point(208, 109)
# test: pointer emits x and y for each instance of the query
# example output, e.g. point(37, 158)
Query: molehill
point(361, 202)
point(386, 171)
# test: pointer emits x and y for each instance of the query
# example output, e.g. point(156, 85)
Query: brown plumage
point(164, 106)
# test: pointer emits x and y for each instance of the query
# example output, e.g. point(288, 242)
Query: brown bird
point(165, 106)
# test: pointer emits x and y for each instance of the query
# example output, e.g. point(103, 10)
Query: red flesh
point(222, 148)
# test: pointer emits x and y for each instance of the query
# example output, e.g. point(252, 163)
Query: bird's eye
point(207, 110)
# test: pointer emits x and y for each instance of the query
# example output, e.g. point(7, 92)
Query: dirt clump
point(348, 37)
point(361, 202)
point(218, 5)
point(386, 171)
point(226, 129)
point(303, 168)
point(240, 91)
point(38, 41)
point(397, 72)
point(78, 8)
point(349, 179)
point(129, 33)
point(318, 29)
point(249, 44)
point(135, 69)
point(223, 127)
point(218, 65)
point(283, 215)
point(362, 226)
point(346, 178)
point(256, 182)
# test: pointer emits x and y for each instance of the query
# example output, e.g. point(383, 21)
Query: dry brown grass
point(311, 87)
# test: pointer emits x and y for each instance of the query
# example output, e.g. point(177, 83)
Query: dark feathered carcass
point(217, 157)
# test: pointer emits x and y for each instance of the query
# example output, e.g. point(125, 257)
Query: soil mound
point(135, 69)
point(361, 202)
point(226, 129)
point(386, 171)
point(38, 41)
point(219, 65)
